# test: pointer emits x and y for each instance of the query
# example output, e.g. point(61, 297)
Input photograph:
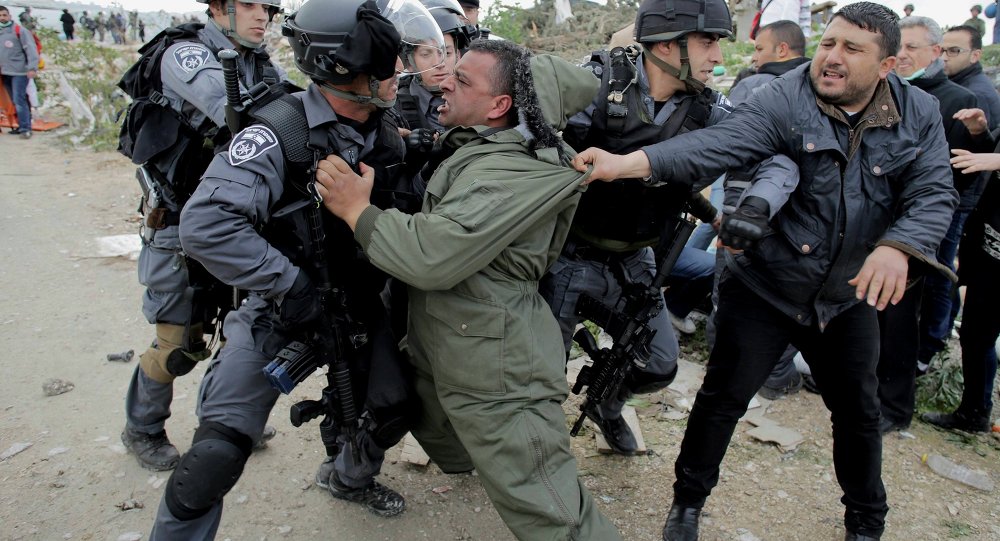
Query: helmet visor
point(420, 35)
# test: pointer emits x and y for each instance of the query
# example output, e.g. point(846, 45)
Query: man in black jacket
point(779, 48)
point(920, 62)
point(962, 47)
point(873, 195)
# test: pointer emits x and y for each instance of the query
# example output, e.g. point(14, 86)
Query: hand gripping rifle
point(627, 322)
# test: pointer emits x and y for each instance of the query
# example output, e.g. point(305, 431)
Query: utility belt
point(580, 249)
point(156, 215)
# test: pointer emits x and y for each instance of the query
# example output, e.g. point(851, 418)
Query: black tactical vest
point(288, 229)
point(627, 214)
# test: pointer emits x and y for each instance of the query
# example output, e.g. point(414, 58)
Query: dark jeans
point(897, 364)
point(980, 329)
point(752, 337)
point(936, 313)
point(17, 88)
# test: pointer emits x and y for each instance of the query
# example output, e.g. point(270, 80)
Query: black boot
point(154, 451)
point(682, 524)
point(959, 420)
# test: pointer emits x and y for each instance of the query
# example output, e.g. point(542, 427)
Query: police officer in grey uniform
point(245, 224)
point(610, 243)
point(181, 299)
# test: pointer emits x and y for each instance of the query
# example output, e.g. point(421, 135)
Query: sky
point(944, 12)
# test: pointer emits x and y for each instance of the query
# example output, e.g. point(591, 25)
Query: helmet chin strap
point(231, 31)
point(373, 99)
point(684, 73)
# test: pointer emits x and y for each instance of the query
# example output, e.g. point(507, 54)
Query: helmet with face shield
point(335, 41)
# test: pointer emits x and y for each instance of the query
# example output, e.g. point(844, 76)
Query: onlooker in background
point(471, 8)
point(18, 64)
point(974, 21)
point(779, 48)
point(27, 21)
point(67, 23)
point(980, 318)
point(908, 10)
point(88, 26)
point(963, 48)
point(991, 12)
point(133, 23)
point(919, 62)
point(100, 25)
point(142, 31)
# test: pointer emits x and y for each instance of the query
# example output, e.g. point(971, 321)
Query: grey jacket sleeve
point(190, 70)
point(775, 180)
point(220, 223)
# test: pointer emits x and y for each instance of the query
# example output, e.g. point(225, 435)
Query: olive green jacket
point(494, 218)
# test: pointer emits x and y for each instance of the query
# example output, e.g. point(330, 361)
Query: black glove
point(743, 228)
point(301, 304)
point(421, 139)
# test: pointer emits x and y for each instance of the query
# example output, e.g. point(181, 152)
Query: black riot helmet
point(450, 18)
point(670, 20)
point(335, 40)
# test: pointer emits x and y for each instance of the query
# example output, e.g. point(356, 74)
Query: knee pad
point(168, 357)
point(639, 382)
point(208, 471)
point(179, 362)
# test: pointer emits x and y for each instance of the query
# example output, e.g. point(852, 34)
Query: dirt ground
point(65, 308)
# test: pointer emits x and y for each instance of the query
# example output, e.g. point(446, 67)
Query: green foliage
point(957, 529)
point(506, 20)
point(93, 70)
point(940, 390)
point(991, 56)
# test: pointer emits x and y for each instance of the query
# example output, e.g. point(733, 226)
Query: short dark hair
point(787, 32)
point(975, 38)
point(512, 76)
point(4, 8)
point(874, 18)
point(507, 55)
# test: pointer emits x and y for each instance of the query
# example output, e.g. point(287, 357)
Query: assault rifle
point(627, 322)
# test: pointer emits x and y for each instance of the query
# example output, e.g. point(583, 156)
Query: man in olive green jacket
point(487, 351)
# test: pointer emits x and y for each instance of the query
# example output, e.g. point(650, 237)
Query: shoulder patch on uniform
point(191, 57)
point(250, 143)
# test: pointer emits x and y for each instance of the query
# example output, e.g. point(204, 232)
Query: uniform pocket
point(161, 265)
point(470, 334)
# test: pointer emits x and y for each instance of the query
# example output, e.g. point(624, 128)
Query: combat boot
point(616, 432)
point(376, 497)
point(682, 523)
point(153, 451)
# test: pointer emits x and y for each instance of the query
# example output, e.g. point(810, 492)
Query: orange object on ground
point(8, 115)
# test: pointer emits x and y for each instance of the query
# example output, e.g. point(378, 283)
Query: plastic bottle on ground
point(956, 472)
